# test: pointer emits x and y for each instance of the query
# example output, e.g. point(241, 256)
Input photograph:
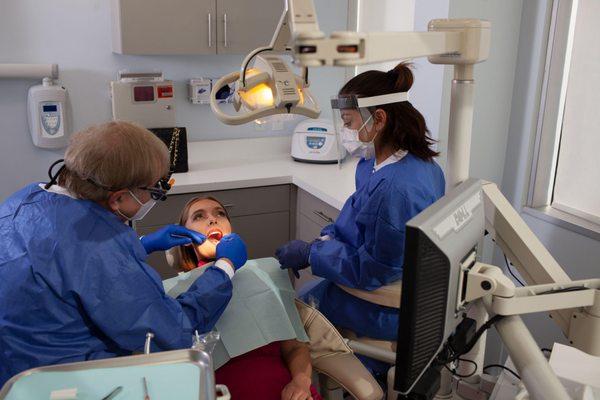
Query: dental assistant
point(396, 178)
point(74, 284)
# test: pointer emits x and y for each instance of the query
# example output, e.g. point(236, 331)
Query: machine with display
point(48, 115)
point(145, 98)
point(315, 141)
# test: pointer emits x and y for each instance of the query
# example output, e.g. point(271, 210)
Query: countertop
point(243, 163)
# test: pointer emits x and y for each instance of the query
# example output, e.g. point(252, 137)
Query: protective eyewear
point(350, 111)
point(159, 191)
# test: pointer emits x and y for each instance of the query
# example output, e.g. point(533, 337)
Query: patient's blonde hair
point(114, 155)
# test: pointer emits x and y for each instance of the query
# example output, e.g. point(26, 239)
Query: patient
point(279, 370)
point(209, 217)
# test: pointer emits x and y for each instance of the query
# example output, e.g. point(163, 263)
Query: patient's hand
point(297, 389)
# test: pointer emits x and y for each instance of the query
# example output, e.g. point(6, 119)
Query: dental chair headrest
point(173, 257)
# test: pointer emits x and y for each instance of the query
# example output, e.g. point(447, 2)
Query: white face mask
point(141, 213)
point(356, 147)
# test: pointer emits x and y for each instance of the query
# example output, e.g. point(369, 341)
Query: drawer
point(263, 234)
point(316, 210)
point(239, 202)
point(307, 229)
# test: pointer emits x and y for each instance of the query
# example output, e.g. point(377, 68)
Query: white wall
point(76, 35)
point(385, 16)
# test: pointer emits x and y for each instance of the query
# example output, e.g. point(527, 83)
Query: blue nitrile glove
point(233, 248)
point(170, 236)
point(294, 255)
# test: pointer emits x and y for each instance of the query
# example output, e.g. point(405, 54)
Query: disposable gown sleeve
point(378, 259)
point(125, 301)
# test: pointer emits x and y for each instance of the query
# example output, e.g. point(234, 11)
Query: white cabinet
point(163, 27)
point(245, 25)
point(192, 26)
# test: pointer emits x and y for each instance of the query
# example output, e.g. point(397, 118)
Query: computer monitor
point(439, 242)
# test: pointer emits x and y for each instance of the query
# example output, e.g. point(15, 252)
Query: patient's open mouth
point(214, 235)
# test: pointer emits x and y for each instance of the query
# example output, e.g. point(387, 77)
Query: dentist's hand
point(170, 236)
point(232, 248)
point(294, 255)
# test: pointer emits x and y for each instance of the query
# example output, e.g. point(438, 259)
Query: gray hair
point(114, 155)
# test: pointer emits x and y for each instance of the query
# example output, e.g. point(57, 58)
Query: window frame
point(548, 133)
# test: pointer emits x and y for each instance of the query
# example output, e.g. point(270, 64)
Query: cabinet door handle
point(225, 30)
point(209, 30)
point(323, 216)
point(228, 205)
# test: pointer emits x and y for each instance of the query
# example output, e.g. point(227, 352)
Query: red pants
point(259, 374)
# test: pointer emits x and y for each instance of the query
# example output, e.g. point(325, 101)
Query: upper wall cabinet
point(193, 26)
point(244, 25)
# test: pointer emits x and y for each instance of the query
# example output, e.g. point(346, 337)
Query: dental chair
point(381, 350)
point(333, 360)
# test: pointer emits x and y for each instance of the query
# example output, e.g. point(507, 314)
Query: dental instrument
point(146, 396)
point(113, 393)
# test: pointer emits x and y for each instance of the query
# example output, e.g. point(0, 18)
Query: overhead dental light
point(270, 87)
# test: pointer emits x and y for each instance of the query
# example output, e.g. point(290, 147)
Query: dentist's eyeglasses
point(159, 191)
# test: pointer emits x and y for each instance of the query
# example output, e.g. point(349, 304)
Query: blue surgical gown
point(366, 246)
point(74, 286)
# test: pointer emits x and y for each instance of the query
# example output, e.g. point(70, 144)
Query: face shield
point(353, 120)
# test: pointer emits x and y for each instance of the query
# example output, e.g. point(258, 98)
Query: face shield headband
point(346, 106)
point(352, 112)
point(351, 101)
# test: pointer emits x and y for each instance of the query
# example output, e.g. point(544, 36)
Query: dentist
point(74, 284)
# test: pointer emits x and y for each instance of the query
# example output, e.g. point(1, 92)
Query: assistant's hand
point(233, 248)
point(170, 236)
point(297, 389)
point(294, 255)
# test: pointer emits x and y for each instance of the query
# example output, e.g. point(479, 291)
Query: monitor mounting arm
point(488, 284)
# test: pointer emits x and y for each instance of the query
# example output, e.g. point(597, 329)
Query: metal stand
point(536, 374)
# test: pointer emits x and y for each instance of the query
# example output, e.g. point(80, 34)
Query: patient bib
point(261, 309)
